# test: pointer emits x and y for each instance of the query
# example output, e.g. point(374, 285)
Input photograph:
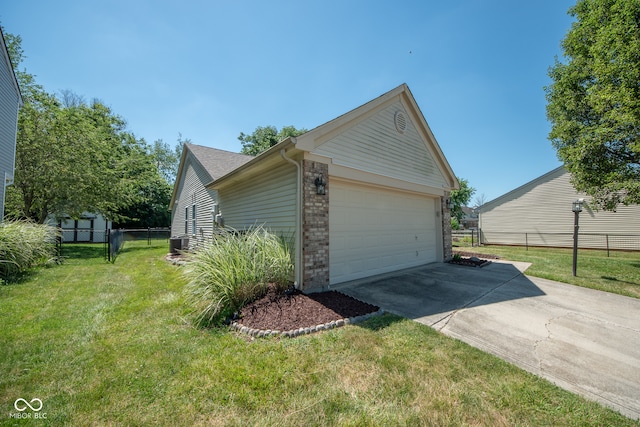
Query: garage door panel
point(376, 230)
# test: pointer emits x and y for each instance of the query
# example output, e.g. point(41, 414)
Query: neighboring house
point(360, 195)
point(539, 214)
point(10, 102)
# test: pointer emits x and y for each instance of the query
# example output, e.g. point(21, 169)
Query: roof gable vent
point(400, 121)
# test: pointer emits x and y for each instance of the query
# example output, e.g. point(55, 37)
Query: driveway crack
point(442, 322)
point(549, 336)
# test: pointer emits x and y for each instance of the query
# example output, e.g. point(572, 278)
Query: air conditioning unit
point(177, 244)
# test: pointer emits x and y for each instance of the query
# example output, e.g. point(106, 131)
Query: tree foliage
point(265, 137)
point(594, 101)
point(166, 158)
point(72, 157)
point(460, 198)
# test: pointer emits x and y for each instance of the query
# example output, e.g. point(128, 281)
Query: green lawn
point(618, 273)
point(109, 344)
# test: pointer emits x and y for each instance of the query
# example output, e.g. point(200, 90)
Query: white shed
point(88, 228)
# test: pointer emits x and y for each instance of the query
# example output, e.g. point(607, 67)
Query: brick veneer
point(315, 227)
point(447, 244)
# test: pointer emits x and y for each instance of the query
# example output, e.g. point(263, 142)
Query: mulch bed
point(294, 310)
point(472, 259)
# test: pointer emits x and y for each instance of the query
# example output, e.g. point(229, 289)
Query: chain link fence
point(115, 239)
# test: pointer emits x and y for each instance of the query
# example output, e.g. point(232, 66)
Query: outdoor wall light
point(321, 186)
point(450, 204)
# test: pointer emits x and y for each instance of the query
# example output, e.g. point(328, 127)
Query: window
point(193, 220)
point(186, 220)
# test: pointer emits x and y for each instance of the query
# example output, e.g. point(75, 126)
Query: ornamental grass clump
point(235, 269)
point(24, 245)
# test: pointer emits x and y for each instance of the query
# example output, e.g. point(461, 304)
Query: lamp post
point(576, 207)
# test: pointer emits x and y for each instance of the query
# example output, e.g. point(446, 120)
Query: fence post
point(109, 245)
point(472, 233)
point(526, 241)
point(148, 236)
point(607, 236)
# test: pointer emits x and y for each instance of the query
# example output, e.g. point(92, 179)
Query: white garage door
point(374, 230)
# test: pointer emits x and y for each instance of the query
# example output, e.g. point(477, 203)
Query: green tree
point(460, 198)
point(73, 160)
point(72, 157)
point(593, 103)
point(166, 159)
point(265, 137)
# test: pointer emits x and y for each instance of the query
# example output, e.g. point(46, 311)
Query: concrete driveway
point(583, 340)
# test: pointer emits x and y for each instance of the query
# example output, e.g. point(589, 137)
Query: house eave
point(259, 163)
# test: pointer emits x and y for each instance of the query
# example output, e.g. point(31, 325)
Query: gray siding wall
point(268, 198)
point(190, 192)
point(542, 211)
point(9, 104)
point(374, 145)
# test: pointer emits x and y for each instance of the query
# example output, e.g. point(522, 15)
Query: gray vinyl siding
point(9, 104)
point(539, 214)
point(192, 191)
point(268, 198)
point(374, 145)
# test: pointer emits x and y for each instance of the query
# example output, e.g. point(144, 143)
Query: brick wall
point(447, 244)
point(315, 227)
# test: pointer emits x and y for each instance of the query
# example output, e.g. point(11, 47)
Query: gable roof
point(215, 162)
point(524, 188)
point(310, 140)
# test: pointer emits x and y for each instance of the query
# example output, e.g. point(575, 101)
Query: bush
point(235, 269)
point(24, 245)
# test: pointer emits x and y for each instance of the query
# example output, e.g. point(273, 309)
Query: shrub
point(235, 269)
point(23, 245)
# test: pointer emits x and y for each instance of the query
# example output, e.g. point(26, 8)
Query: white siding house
point(10, 102)
point(539, 214)
point(381, 208)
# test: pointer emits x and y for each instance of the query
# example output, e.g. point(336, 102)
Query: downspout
point(298, 236)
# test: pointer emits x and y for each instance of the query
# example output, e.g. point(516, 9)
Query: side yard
point(112, 344)
point(618, 273)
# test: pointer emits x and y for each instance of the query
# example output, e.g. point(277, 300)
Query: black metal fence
point(465, 237)
point(113, 245)
point(603, 241)
point(114, 239)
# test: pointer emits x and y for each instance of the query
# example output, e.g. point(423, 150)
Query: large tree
point(72, 157)
point(265, 137)
point(460, 198)
point(594, 101)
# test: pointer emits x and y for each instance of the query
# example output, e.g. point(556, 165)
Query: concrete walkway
point(582, 340)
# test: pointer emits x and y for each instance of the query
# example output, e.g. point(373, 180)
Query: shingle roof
point(217, 162)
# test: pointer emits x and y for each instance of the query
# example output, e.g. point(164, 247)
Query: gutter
point(298, 235)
